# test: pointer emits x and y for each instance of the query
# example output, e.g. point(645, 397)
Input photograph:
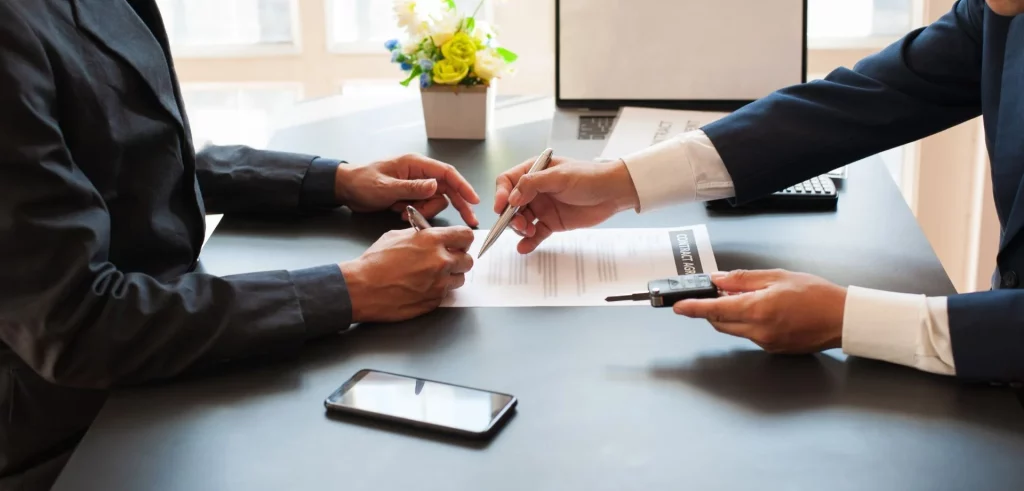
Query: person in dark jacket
point(102, 205)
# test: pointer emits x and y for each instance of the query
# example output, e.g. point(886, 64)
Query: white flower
point(411, 46)
point(482, 31)
point(489, 66)
point(444, 26)
point(414, 15)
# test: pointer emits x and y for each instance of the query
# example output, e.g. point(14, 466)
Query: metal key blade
point(636, 297)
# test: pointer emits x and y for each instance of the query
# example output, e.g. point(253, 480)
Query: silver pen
point(416, 219)
point(506, 216)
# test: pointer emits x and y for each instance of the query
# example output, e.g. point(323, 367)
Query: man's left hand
point(425, 183)
point(780, 311)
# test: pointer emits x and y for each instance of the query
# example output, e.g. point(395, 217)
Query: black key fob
point(668, 291)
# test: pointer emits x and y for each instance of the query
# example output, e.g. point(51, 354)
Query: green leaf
point(507, 55)
point(468, 24)
point(416, 71)
point(450, 4)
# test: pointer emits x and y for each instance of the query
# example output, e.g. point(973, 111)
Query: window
point(363, 26)
point(236, 113)
point(204, 27)
point(858, 22)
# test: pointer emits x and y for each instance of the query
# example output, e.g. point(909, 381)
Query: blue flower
point(391, 45)
point(426, 65)
point(425, 80)
point(406, 67)
point(394, 56)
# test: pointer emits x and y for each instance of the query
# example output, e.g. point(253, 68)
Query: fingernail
point(514, 198)
point(719, 275)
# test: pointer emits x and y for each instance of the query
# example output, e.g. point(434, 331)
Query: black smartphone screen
point(430, 403)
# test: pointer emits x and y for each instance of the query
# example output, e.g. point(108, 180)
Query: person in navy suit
point(968, 63)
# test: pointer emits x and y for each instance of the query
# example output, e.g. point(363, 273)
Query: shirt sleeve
point(679, 170)
point(910, 330)
point(318, 185)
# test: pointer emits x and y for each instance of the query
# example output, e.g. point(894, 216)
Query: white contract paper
point(637, 128)
point(581, 267)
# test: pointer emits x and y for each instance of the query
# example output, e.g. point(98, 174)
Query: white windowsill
point(236, 51)
point(359, 48)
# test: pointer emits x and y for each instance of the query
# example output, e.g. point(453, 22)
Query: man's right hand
point(569, 194)
point(407, 273)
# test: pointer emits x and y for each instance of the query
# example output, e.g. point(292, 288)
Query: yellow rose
point(461, 48)
point(450, 72)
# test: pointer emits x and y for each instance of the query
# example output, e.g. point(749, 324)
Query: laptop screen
point(617, 52)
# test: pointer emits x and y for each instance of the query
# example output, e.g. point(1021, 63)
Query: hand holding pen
point(566, 195)
point(510, 211)
point(407, 272)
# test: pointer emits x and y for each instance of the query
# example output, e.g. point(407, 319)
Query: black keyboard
point(595, 127)
point(814, 194)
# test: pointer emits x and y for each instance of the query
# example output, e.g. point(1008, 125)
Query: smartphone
point(421, 403)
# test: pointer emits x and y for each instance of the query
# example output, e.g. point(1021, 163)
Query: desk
point(610, 398)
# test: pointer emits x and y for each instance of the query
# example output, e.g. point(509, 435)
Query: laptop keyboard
point(595, 127)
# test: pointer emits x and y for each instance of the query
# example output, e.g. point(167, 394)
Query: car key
point(668, 291)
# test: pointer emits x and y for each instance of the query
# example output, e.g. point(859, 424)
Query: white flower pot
point(457, 112)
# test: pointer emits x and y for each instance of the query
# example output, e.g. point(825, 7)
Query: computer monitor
point(688, 54)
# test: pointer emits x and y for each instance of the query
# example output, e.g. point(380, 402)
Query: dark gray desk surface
point(611, 398)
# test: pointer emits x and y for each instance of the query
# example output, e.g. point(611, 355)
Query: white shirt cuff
point(679, 170)
point(910, 330)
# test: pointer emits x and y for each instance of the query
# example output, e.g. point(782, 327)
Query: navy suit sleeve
point(78, 318)
point(986, 331)
point(925, 83)
point(243, 179)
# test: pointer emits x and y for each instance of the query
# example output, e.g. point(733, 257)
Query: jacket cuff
point(318, 184)
point(986, 335)
point(324, 299)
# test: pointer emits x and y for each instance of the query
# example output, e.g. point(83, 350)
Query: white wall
point(528, 28)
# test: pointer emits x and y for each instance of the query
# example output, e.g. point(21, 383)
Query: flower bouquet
point(456, 59)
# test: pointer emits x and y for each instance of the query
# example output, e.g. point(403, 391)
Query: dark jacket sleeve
point(986, 331)
point(243, 179)
point(925, 83)
point(73, 315)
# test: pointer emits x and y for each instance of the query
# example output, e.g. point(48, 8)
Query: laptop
point(677, 54)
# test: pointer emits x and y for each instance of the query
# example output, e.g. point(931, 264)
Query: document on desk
point(582, 267)
point(637, 128)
